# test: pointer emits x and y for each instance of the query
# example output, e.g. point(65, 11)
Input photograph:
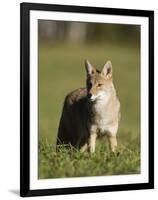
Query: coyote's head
point(99, 83)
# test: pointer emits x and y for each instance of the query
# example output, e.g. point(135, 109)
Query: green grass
point(73, 163)
point(61, 70)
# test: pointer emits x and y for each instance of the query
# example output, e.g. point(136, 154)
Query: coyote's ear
point(89, 68)
point(107, 70)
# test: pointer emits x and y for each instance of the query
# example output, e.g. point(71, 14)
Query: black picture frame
point(25, 9)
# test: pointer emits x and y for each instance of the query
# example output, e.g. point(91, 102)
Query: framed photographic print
point(87, 99)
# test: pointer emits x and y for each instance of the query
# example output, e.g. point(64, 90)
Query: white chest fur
point(106, 116)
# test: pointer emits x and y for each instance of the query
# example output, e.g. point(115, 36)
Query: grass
point(73, 163)
point(61, 70)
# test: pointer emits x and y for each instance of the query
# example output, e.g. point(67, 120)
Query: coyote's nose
point(89, 95)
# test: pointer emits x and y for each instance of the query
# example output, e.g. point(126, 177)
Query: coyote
point(91, 112)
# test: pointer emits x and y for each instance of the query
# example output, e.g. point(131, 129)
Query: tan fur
point(92, 112)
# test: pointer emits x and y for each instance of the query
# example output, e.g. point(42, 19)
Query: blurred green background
point(63, 47)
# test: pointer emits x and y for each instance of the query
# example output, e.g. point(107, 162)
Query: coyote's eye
point(99, 85)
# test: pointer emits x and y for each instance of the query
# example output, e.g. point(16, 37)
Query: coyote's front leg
point(92, 139)
point(112, 143)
